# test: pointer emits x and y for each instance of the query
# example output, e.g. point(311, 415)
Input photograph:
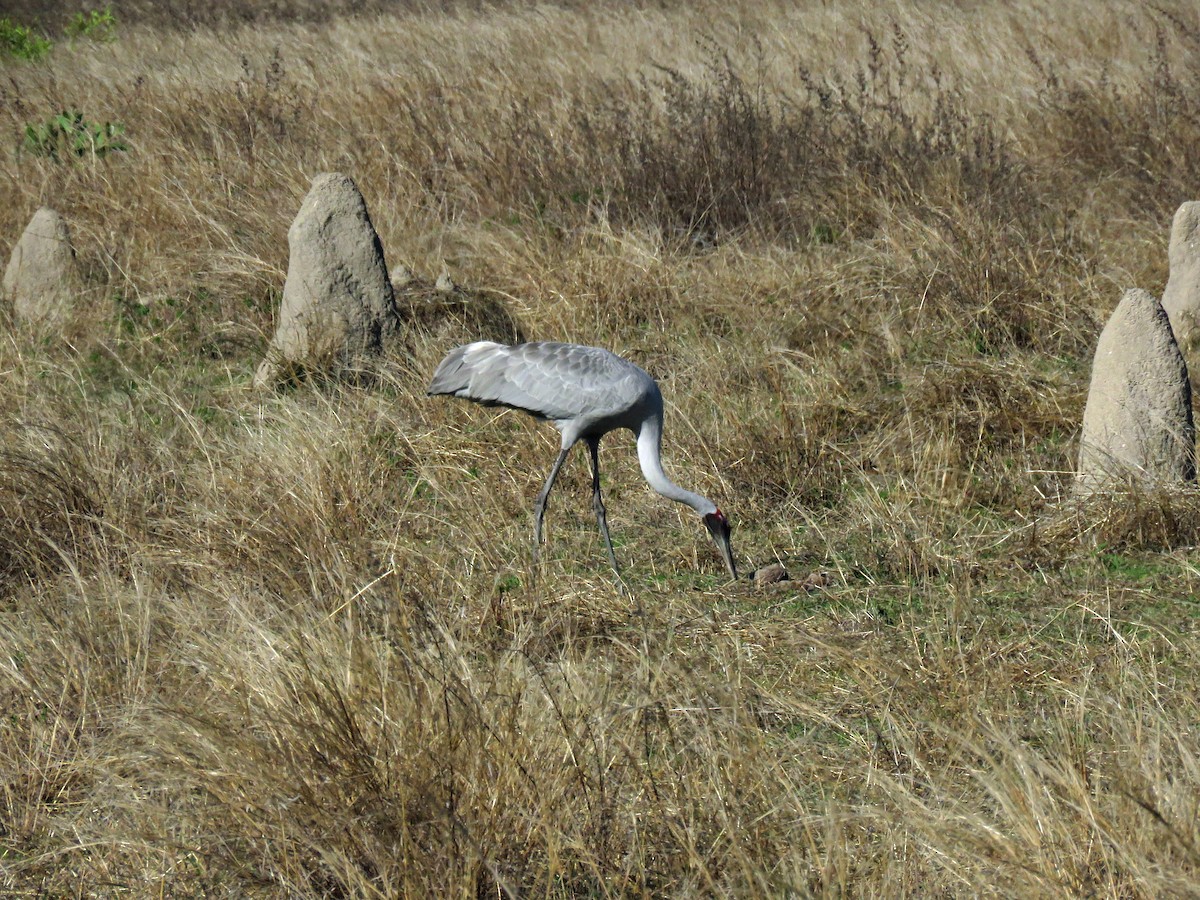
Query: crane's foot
point(624, 588)
point(628, 593)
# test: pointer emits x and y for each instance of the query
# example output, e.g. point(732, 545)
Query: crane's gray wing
point(549, 380)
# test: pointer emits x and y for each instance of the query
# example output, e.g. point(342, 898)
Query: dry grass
point(292, 645)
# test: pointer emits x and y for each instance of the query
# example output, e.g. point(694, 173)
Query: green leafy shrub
point(70, 134)
point(96, 25)
point(20, 42)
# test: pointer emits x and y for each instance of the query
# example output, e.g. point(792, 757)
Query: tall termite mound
point(338, 308)
point(42, 280)
point(1137, 425)
point(1181, 297)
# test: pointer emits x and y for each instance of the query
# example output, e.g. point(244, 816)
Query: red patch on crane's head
point(716, 521)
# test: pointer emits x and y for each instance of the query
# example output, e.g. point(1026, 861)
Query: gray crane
point(586, 392)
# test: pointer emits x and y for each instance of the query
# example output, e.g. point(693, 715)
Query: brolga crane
point(586, 392)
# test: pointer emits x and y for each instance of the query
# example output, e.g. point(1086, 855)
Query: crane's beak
point(720, 531)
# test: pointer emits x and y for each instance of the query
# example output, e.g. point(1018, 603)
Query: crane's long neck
point(649, 448)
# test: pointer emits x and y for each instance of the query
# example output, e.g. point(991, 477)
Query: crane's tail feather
point(481, 372)
point(455, 373)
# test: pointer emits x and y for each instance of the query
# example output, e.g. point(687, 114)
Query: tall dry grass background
point(291, 645)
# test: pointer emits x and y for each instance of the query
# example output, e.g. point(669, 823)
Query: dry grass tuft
point(47, 493)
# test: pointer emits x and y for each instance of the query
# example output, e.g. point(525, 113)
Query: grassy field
point(293, 644)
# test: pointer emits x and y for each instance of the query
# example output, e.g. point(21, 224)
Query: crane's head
point(718, 527)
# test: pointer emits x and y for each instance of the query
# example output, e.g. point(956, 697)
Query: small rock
point(816, 579)
point(771, 574)
point(401, 276)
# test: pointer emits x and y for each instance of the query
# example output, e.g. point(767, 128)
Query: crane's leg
point(598, 503)
point(539, 508)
